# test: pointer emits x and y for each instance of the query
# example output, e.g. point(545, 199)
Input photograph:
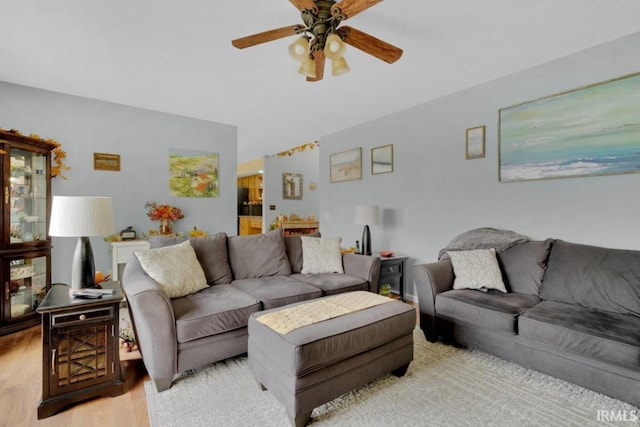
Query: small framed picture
point(106, 162)
point(292, 186)
point(475, 143)
point(382, 159)
point(346, 165)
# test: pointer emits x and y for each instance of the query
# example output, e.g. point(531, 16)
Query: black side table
point(80, 351)
point(392, 273)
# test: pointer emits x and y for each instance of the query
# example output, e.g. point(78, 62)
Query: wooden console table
point(121, 252)
point(297, 227)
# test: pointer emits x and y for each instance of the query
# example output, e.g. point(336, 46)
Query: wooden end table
point(80, 348)
point(392, 272)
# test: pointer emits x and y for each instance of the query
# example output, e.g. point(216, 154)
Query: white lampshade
point(367, 214)
point(299, 49)
point(81, 216)
point(334, 47)
point(339, 66)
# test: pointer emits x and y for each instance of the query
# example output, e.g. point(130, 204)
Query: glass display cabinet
point(25, 249)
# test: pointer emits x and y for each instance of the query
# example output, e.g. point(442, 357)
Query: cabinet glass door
point(27, 195)
point(27, 285)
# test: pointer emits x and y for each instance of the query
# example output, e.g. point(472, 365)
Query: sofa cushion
point(276, 291)
point(321, 255)
point(333, 283)
point(524, 265)
point(175, 268)
point(210, 250)
point(258, 255)
point(608, 337)
point(493, 309)
point(213, 311)
point(293, 245)
point(476, 269)
point(593, 277)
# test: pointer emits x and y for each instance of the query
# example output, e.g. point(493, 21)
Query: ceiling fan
point(322, 37)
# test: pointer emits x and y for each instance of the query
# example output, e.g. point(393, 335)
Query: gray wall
point(143, 139)
point(305, 163)
point(435, 194)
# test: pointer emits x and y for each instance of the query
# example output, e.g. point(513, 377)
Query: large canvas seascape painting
point(593, 130)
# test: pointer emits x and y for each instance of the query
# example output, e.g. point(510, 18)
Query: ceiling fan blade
point(305, 5)
point(350, 8)
point(319, 58)
point(266, 36)
point(371, 45)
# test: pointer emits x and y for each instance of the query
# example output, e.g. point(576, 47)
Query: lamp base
point(366, 241)
point(83, 268)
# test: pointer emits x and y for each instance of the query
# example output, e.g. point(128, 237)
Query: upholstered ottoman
point(309, 353)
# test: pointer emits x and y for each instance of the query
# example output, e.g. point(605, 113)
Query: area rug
point(444, 386)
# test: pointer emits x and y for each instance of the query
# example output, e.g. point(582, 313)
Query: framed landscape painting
point(474, 148)
point(346, 165)
point(594, 130)
point(193, 173)
point(382, 159)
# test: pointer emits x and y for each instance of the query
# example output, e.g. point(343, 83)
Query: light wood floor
point(21, 389)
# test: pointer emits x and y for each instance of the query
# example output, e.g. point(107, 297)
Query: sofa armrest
point(431, 280)
point(153, 321)
point(363, 266)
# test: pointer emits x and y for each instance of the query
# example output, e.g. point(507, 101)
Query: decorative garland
point(57, 160)
point(298, 149)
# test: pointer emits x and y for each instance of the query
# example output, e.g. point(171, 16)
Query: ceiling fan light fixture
point(334, 47)
point(339, 66)
point(299, 49)
point(308, 67)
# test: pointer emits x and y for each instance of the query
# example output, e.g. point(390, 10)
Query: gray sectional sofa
point(571, 311)
point(246, 274)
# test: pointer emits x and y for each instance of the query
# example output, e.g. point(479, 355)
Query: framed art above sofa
point(592, 130)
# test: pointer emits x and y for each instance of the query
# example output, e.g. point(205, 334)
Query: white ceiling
point(176, 56)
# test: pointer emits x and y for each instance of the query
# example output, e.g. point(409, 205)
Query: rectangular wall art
point(474, 148)
point(292, 186)
point(193, 173)
point(346, 165)
point(382, 159)
point(106, 162)
point(594, 130)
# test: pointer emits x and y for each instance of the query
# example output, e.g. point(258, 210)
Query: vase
point(166, 227)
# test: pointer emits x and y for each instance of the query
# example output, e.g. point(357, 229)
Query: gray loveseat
point(246, 274)
point(571, 311)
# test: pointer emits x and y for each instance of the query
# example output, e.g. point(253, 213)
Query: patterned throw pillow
point(175, 268)
point(476, 269)
point(321, 255)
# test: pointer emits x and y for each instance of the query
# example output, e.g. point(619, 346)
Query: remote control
point(86, 294)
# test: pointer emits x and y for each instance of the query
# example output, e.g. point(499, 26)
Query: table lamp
point(81, 217)
point(367, 214)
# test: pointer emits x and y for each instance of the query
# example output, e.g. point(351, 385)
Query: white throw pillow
point(476, 269)
point(321, 255)
point(175, 268)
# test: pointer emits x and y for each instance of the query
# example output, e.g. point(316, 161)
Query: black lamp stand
point(366, 241)
point(83, 268)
